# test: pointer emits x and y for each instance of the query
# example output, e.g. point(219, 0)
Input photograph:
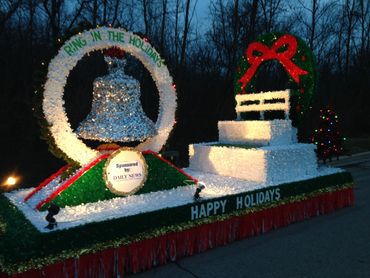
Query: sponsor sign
point(125, 171)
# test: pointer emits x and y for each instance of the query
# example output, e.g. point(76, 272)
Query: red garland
point(46, 182)
point(272, 53)
point(71, 180)
point(144, 255)
point(169, 163)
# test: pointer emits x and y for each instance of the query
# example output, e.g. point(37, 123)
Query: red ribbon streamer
point(170, 164)
point(70, 181)
point(46, 182)
point(272, 53)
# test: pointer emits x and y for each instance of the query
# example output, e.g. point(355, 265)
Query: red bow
point(271, 53)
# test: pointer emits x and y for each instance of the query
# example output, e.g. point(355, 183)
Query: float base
point(144, 254)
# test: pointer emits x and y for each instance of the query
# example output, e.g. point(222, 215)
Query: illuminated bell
point(116, 114)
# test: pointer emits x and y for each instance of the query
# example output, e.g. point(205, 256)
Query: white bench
point(261, 103)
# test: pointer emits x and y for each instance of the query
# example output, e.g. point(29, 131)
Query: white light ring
point(53, 103)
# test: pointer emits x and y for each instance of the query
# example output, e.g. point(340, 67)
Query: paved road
point(334, 245)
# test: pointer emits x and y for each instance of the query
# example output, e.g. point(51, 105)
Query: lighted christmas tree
point(327, 137)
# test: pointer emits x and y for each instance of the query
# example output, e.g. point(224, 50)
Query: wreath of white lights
point(66, 59)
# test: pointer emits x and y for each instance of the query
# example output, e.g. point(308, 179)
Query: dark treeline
point(201, 56)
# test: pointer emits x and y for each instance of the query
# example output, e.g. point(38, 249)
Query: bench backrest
point(264, 101)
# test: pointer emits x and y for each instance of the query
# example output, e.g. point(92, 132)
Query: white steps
point(264, 164)
point(276, 132)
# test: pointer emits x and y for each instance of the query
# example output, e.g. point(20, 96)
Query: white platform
point(276, 132)
point(264, 164)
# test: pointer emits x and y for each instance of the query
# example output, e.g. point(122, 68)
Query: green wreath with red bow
point(297, 59)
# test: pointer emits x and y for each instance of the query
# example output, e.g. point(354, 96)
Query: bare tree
point(185, 35)
point(115, 13)
point(60, 21)
point(222, 16)
point(365, 25)
point(80, 7)
point(31, 15)
point(349, 13)
point(7, 9)
point(163, 24)
point(233, 25)
point(95, 13)
point(316, 18)
point(105, 4)
point(270, 10)
point(236, 28)
point(53, 11)
point(338, 46)
point(176, 34)
point(252, 25)
point(312, 11)
point(145, 15)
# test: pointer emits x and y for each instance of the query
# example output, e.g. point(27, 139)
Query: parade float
point(116, 210)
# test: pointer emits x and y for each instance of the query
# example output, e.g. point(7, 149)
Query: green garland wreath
point(294, 54)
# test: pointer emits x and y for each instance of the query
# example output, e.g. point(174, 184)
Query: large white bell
point(116, 114)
